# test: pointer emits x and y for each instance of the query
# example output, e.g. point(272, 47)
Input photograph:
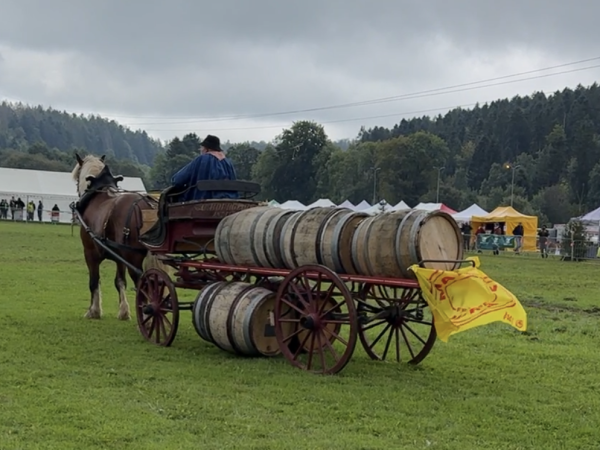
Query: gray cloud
point(191, 58)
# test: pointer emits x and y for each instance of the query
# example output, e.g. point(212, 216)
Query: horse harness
point(80, 206)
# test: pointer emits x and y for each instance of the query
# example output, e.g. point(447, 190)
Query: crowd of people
point(17, 209)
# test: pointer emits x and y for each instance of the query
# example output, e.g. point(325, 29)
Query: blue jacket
point(204, 167)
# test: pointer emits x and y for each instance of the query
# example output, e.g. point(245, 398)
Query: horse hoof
point(93, 315)
point(125, 316)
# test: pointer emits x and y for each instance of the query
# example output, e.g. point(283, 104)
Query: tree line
point(549, 145)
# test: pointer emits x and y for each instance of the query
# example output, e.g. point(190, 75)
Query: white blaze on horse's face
point(86, 169)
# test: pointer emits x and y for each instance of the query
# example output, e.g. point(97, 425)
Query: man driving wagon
point(212, 164)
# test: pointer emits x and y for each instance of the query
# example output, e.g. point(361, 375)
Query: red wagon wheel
point(312, 305)
point(395, 323)
point(157, 307)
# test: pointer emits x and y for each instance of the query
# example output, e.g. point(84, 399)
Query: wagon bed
point(316, 316)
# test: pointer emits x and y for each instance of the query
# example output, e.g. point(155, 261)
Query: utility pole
point(375, 170)
point(512, 183)
point(437, 195)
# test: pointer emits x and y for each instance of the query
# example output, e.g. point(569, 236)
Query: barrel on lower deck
point(237, 317)
point(386, 245)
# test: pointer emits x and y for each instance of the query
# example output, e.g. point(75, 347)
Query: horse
point(114, 217)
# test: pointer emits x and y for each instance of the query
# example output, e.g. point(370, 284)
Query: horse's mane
point(90, 165)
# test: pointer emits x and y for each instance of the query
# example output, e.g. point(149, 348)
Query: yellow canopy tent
point(511, 218)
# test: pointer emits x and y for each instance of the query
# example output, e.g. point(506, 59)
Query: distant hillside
point(22, 126)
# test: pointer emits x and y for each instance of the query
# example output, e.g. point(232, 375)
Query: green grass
point(71, 383)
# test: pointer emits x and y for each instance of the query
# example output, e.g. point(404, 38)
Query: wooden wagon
point(310, 303)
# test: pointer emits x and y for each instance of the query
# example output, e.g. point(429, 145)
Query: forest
point(549, 145)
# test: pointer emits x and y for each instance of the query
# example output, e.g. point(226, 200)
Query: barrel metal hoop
point(204, 332)
point(252, 240)
point(336, 241)
point(248, 325)
point(415, 232)
point(228, 323)
point(318, 242)
point(206, 308)
point(282, 246)
point(354, 254)
point(223, 231)
point(271, 233)
point(266, 236)
point(367, 252)
point(397, 239)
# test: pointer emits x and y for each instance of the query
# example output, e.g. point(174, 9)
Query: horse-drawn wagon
point(307, 284)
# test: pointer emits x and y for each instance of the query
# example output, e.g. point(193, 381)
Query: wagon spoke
point(310, 353)
point(291, 305)
point(397, 336)
point(387, 327)
point(321, 353)
point(293, 335)
point(407, 342)
point(300, 296)
point(387, 344)
point(328, 294)
point(374, 324)
point(414, 334)
point(336, 336)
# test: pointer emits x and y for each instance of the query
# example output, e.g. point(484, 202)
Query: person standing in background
point(40, 210)
point(543, 239)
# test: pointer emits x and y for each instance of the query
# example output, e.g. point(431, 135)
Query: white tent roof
point(428, 206)
point(273, 203)
point(40, 183)
point(363, 205)
point(467, 214)
point(292, 204)
point(347, 204)
point(52, 188)
point(377, 208)
point(592, 216)
point(400, 206)
point(322, 203)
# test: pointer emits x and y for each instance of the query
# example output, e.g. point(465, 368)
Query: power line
point(355, 119)
point(419, 94)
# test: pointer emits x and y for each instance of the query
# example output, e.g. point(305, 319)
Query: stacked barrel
point(237, 317)
point(346, 241)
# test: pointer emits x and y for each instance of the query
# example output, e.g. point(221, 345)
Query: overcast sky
point(236, 68)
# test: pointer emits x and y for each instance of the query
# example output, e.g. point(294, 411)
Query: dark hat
point(212, 143)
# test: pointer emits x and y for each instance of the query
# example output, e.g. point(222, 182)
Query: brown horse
point(114, 217)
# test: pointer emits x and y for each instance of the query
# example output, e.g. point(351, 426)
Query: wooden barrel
point(272, 241)
point(233, 242)
point(335, 240)
point(387, 244)
point(237, 317)
point(299, 237)
point(251, 237)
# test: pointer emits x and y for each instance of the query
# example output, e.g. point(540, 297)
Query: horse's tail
point(151, 261)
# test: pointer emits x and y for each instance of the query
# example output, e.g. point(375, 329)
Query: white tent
point(273, 203)
point(347, 204)
point(378, 208)
point(363, 205)
point(400, 206)
point(592, 216)
point(322, 203)
point(292, 204)
point(466, 214)
point(434, 207)
point(52, 188)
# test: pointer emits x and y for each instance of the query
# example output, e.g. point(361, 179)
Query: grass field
point(71, 383)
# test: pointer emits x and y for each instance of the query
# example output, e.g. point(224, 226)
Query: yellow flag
point(467, 298)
